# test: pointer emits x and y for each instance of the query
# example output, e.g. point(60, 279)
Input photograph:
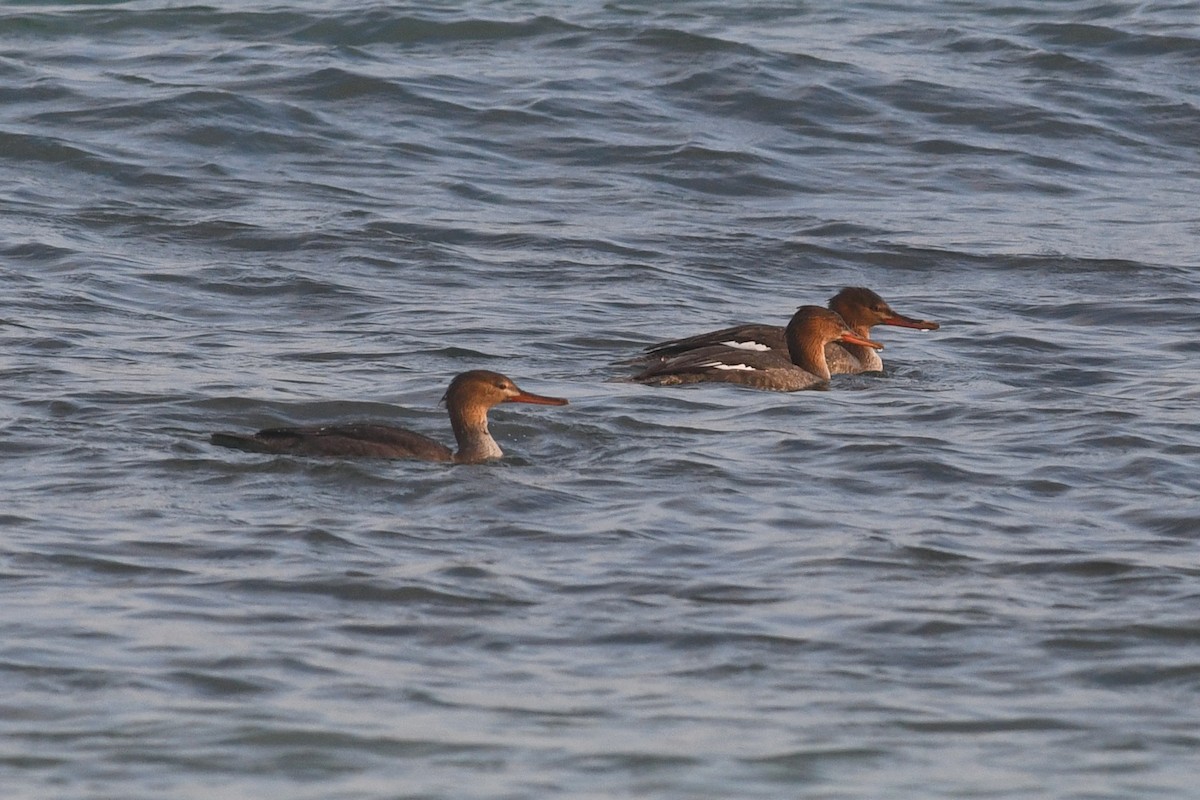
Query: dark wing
point(750, 337)
point(362, 440)
point(718, 364)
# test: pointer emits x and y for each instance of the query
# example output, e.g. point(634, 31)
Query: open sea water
point(976, 575)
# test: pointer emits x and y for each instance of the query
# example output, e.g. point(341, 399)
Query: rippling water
point(972, 576)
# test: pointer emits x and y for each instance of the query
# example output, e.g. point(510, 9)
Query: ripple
point(221, 217)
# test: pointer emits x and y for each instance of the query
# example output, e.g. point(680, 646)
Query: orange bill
point(537, 399)
point(901, 321)
point(850, 337)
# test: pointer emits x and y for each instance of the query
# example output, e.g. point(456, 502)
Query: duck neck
point(861, 329)
point(475, 442)
point(808, 354)
point(867, 357)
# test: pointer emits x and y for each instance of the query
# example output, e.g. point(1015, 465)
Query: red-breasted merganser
point(467, 400)
point(861, 308)
point(810, 330)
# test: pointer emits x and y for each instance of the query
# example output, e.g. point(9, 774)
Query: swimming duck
point(802, 366)
point(467, 400)
point(860, 307)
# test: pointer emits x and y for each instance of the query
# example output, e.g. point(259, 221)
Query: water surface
point(971, 576)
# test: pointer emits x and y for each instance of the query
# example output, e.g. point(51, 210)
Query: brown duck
point(861, 308)
point(802, 366)
point(467, 400)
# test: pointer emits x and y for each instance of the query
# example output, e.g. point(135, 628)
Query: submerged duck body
point(861, 308)
point(468, 400)
point(802, 365)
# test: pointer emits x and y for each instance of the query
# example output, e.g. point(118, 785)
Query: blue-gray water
point(977, 575)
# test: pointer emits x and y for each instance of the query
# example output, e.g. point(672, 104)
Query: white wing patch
point(758, 347)
point(719, 365)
